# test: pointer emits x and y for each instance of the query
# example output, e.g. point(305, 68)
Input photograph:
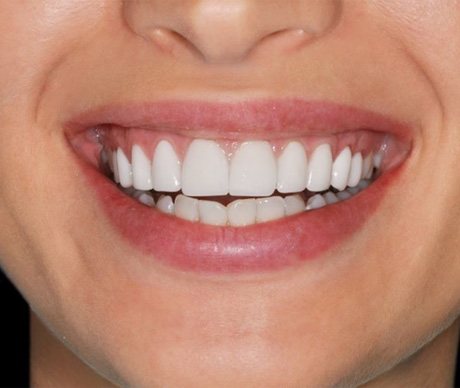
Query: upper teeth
point(252, 171)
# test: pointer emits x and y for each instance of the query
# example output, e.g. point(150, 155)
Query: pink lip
point(262, 247)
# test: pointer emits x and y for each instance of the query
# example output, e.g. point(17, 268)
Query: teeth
point(124, 169)
point(268, 209)
point(212, 213)
point(142, 170)
point(355, 170)
point(253, 170)
point(116, 175)
point(165, 204)
point(341, 169)
point(145, 198)
point(292, 169)
point(242, 212)
point(343, 195)
point(330, 198)
point(294, 204)
point(316, 202)
point(378, 157)
point(186, 208)
point(205, 169)
point(166, 174)
point(320, 168)
point(367, 167)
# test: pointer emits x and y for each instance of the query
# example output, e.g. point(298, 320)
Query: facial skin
point(359, 313)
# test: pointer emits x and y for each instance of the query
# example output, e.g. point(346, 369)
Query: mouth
point(237, 187)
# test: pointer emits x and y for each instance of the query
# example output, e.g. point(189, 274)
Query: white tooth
point(320, 168)
point(269, 209)
point(205, 169)
point(166, 175)
point(165, 204)
point(330, 198)
point(355, 170)
point(342, 195)
point(253, 170)
point(186, 208)
point(212, 213)
point(292, 168)
point(242, 212)
point(341, 169)
point(378, 157)
point(367, 167)
point(316, 202)
point(142, 170)
point(116, 175)
point(124, 169)
point(294, 204)
point(145, 198)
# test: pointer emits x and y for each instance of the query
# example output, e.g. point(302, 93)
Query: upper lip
point(265, 117)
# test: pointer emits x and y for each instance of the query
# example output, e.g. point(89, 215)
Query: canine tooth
point(205, 169)
point(367, 167)
point(341, 169)
point(142, 170)
point(292, 168)
point(269, 209)
point(145, 198)
point(212, 213)
point(166, 174)
point(116, 175)
point(253, 170)
point(342, 195)
point(316, 202)
point(242, 212)
point(165, 204)
point(355, 170)
point(330, 198)
point(294, 204)
point(186, 208)
point(320, 168)
point(124, 169)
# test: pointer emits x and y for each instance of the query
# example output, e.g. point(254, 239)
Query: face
point(157, 159)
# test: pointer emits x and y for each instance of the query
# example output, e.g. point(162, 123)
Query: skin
point(382, 308)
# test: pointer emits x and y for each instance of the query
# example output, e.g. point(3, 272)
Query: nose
point(223, 31)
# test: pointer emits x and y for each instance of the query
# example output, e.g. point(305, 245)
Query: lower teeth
point(242, 211)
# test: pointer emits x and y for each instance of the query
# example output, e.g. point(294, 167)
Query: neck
point(53, 365)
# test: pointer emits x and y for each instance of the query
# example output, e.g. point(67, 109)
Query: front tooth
point(212, 213)
point(367, 167)
point(205, 169)
point(355, 170)
point(269, 209)
point(116, 175)
point(320, 168)
point(165, 204)
point(166, 175)
point(294, 204)
point(341, 169)
point(124, 169)
point(142, 170)
point(316, 202)
point(242, 212)
point(253, 170)
point(186, 208)
point(292, 168)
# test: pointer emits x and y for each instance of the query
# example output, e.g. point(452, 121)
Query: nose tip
point(223, 31)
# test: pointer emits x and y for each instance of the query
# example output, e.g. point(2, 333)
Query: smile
point(238, 187)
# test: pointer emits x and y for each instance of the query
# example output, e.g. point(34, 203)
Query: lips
point(237, 187)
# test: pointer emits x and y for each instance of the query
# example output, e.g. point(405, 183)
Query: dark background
point(14, 338)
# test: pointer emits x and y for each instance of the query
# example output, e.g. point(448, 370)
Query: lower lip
point(258, 248)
